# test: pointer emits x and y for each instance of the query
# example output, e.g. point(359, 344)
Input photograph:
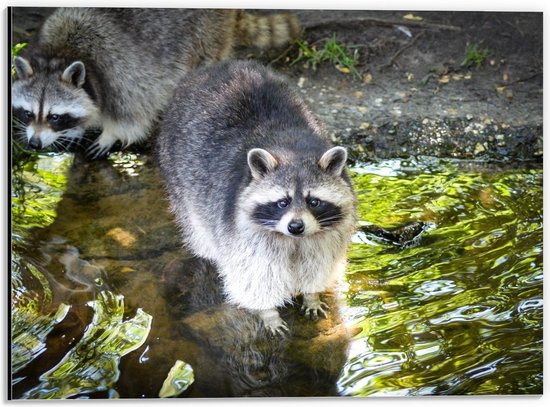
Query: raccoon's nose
point(35, 143)
point(296, 226)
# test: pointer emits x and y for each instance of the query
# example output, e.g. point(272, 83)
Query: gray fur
point(128, 61)
point(234, 138)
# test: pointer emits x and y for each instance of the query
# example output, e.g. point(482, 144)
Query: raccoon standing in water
point(257, 188)
point(116, 68)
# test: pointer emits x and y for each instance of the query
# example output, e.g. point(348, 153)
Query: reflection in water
point(92, 365)
point(455, 310)
point(237, 357)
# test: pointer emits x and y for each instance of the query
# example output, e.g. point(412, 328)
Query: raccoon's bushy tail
point(264, 32)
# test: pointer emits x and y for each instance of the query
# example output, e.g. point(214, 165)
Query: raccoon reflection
point(257, 188)
point(115, 69)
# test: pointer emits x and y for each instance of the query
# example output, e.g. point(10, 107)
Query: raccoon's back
point(203, 34)
point(122, 35)
point(200, 150)
point(234, 106)
point(216, 116)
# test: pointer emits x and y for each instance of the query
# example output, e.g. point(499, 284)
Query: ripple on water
point(461, 312)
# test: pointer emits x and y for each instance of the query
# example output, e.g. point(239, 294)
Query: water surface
point(105, 300)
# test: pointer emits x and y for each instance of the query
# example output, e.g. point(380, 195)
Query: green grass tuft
point(332, 51)
point(474, 56)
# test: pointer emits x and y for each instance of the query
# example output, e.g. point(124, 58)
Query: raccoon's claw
point(101, 146)
point(97, 150)
point(280, 331)
point(313, 307)
point(274, 324)
point(313, 313)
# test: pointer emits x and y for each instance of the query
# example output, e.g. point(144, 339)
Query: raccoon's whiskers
point(68, 142)
point(85, 138)
point(20, 135)
point(18, 124)
point(20, 141)
point(58, 145)
point(267, 222)
point(19, 130)
point(64, 142)
point(330, 221)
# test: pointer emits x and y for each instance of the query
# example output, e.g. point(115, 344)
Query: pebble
point(479, 148)
point(364, 126)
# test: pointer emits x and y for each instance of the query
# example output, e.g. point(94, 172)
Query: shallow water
point(105, 300)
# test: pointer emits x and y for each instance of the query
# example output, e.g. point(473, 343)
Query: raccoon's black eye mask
point(24, 116)
point(268, 214)
point(311, 202)
point(326, 213)
point(59, 122)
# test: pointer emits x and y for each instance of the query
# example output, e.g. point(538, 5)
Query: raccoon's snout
point(296, 226)
point(35, 143)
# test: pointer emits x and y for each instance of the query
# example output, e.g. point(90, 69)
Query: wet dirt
point(414, 97)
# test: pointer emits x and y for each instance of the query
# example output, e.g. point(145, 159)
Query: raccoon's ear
point(334, 160)
point(75, 74)
point(261, 162)
point(23, 68)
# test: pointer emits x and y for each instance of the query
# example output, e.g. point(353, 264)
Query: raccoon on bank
point(116, 69)
point(256, 187)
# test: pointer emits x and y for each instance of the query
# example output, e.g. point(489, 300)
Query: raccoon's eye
point(314, 202)
point(283, 203)
point(28, 114)
point(54, 118)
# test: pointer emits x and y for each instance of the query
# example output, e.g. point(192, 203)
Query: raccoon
point(257, 188)
point(115, 69)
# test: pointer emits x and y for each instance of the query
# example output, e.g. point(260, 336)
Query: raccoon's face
point(49, 106)
point(300, 199)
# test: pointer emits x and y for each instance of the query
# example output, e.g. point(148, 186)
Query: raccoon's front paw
point(313, 307)
point(274, 323)
point(100, 147)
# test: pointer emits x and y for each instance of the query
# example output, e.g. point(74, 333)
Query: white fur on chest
point(265, 270)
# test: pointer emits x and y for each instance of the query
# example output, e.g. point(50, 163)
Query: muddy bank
point(413, 94)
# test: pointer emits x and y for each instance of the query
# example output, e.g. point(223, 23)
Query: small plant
point(15, 50)
point(332, 51)
point(474, 56)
